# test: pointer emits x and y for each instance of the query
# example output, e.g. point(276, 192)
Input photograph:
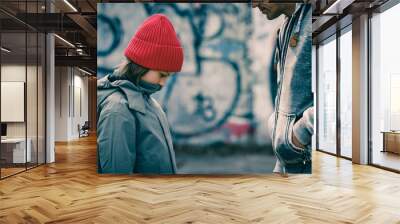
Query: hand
point(296, 142)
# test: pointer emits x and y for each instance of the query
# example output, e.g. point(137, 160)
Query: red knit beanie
point(155, 45)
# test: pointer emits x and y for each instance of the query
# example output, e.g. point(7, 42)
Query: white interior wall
point(61, 103)
point(68, 81)
point(33, 126)
point(14, 72)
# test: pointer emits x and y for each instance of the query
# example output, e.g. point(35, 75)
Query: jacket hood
point(132, 93)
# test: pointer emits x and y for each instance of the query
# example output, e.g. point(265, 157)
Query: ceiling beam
point(84, 24)
point(79, 61)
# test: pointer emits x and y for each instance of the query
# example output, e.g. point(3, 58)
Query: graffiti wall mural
point(224, 93)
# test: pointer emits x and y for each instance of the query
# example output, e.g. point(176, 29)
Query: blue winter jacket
point(133, 135)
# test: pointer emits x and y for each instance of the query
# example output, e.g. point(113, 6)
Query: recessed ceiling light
point(70, 5)
point(84, 71)
point(5, 50)
point(64, 40)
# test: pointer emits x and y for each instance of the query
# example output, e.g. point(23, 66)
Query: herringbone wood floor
point(70, 191)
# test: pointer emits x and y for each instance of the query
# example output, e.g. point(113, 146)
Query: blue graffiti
point(205, 107)
point(109, 26)
point(114, 25)
point(197, 16)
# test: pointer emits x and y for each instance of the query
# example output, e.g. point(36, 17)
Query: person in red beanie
point(133, 135)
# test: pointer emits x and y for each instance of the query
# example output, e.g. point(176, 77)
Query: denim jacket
point(294, 95)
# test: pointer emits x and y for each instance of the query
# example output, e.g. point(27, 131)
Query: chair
point(84, 130)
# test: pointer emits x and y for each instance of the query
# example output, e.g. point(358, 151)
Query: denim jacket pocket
point(285, 150)
point(289, 137)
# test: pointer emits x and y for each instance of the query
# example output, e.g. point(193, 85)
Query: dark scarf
point(144, 86)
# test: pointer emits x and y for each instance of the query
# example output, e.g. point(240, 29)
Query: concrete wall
point(224, 91)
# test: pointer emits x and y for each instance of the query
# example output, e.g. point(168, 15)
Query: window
point(385, 89)
point(346, 92)
point(22, 91)
point(327, 96)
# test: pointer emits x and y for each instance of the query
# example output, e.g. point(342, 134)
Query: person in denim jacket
point(293, 117)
